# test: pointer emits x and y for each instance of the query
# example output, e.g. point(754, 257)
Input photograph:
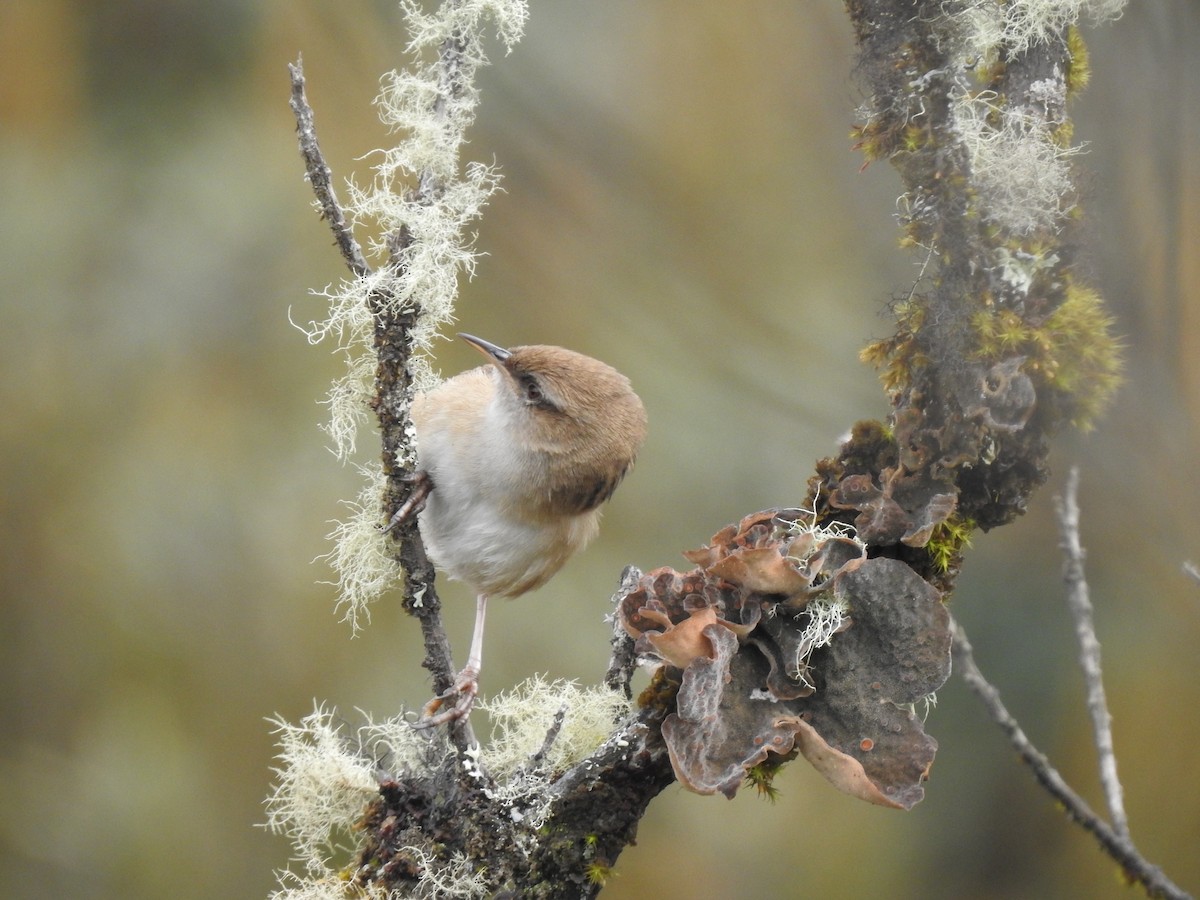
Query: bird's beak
point(487, 348)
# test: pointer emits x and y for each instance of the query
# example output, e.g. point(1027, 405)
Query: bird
point(515, 459)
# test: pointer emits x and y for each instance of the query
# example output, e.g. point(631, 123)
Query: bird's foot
point(422, 484)
point(436, 712)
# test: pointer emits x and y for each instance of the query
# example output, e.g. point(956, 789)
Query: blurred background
point(680, 199)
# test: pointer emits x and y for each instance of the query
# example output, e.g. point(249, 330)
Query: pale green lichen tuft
point(326, 777)
point(323, 784)
point(359, 557)
point(1021, 24)
point(455, 878)
point(521, 717)
point(1019, 170)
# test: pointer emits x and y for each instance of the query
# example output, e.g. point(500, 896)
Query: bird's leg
point(422, 485)
point(466, 685)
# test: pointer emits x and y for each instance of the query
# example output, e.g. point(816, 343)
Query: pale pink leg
point(475, 659)
point(466, 685)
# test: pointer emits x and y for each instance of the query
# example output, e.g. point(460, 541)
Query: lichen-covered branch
point(415, 210)
point(1003, 343)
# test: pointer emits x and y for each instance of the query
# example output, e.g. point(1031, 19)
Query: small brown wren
point(515, 460)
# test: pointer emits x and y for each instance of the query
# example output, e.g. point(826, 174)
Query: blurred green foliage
point(681, 201)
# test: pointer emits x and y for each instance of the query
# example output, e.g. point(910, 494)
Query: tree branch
point(1116, 845)
point(320, 176)
point(1080, 605)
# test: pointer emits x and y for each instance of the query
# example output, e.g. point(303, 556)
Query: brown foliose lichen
point(790, 640)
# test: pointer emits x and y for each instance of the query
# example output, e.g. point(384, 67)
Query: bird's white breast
point(475, 524)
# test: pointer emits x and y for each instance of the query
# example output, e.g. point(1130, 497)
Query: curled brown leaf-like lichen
point(790, 640)
point(766, 565)
point(904, 510)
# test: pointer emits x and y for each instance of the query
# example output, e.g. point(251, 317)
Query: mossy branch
point(1004, 343)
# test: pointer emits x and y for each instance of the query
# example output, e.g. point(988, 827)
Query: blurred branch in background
point(1113, 839)
point(1080, 606)
point(1192, 571)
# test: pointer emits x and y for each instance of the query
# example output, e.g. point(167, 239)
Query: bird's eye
point(532, 391)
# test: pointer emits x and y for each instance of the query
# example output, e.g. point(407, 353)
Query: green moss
point(598, 873)
point(762, 776)
point(898, 357)
point(948, 541)
point(1085, 360)
point(660, 692)
point(1072, 351)
point(871, 447)
point(1079, 69)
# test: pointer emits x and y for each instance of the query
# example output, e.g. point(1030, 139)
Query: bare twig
point(320, 176)
point(1191, 570)
point(623, 660)
point(1080, 605)
point(535, 761)
point(1118, 846)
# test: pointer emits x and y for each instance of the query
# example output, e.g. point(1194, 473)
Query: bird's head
point(580, 413)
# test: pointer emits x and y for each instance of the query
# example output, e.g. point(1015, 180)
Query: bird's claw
point(422, 484)
point(436, 713)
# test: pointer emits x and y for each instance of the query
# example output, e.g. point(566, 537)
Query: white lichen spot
point(449, 879)
point(928, 702)
point(828, 615)
point(820, 535)
point(1019, 269)
point(1021, 24)
point(329, 887)
point(1020, 172)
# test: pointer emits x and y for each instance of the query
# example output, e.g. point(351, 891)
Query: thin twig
point(1192, 571)
point(623, 660)
point(321, 177)
point(393, 340)
point(1117, 846)
point(535, 761)
point(1080, 605)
